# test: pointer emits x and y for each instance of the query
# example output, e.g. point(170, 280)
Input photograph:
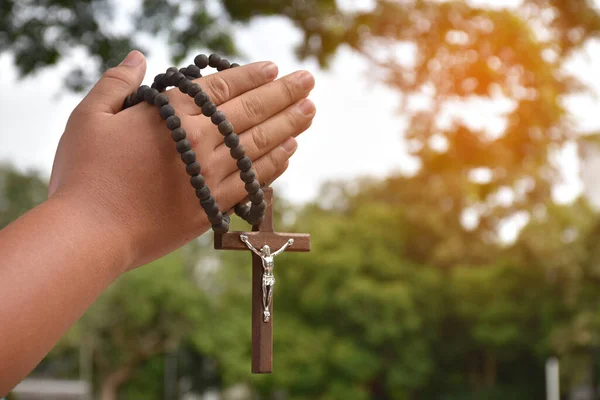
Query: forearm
point(54, 262)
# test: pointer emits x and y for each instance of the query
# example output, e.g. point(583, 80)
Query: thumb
point(116, 84)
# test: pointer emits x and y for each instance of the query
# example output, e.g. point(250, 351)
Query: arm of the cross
point(232, 241)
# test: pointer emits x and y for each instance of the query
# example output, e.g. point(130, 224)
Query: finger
point(115, 85)
point(259, 104)
point(264, 137)
point(268, 168)
point(226, 85)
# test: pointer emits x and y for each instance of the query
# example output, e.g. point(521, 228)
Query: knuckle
point(254, 108)
point(219, 89)
point(289, 89)
point(260, 137)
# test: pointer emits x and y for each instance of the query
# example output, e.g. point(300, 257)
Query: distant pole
point(552, 379)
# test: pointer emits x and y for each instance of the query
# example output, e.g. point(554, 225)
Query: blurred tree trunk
point(112, 382)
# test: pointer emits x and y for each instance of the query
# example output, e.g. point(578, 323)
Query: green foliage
point(19, 192)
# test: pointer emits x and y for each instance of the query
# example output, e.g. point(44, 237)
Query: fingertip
point(270, 70)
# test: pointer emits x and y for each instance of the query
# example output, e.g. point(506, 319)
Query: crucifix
point(265, 244)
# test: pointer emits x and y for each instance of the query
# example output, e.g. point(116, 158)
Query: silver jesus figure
point(268, 279)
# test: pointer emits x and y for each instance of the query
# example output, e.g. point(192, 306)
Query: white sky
point(356, 132)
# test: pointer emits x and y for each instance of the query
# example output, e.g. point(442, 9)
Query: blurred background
point(448, 181)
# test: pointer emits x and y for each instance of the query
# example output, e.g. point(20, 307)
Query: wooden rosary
point(263, 238)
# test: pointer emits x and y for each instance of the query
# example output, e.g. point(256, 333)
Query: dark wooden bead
point(213, 60)
point(223, 65)
point(183, 71)
point(216, 219)
point(241, 210)
point(150, 95)
point(218, 117)
point(158, 87)
point(203, 193)
point(232, 140)
point(248, 176)
point(234, 65)
point(134, 99)
point(197, 181)
point(201, 61)
point(259, 208)
point(126, 103)
point(183, 146)
point(173, 122)
point(166, 111)
point(189, 157)
point(168, 80)
point(209, 108)
point(194, 89)
point(160, 80)
point(225, 128)
point(161, 100)
point(244, 164)
point(252, 187)
point(210, 206)
point(178, 134)
point(184, 85)
point(201, 99)
point(190, 78)
point(193, 168)
point(193, 70)
point(141, 92)
point(258, 197)
point(178, 77)
point(173, 69)
point(238, 152)
point(221, 228)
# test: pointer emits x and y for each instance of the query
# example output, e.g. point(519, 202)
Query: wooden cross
point(262, 234)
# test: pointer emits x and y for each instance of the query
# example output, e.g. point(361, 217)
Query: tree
point(19, 192)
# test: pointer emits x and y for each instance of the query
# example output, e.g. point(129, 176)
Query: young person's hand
point(122, 166)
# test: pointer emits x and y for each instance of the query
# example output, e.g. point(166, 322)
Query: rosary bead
point(244, 163)
point(173, 122)
point(178, 77)
point(150, 95)
point(193, 168)
point(234, 65)
point(201, 61)
point(166, 111)
point(183, 71)
point(178, 134)
point(232, 140)
point(203, 192)
point(238, 152)
point(248, 176)
point(241, 210)
point(158, 87)
point(201, 98)
point(252, 188)
point(169, 78)
point(198, 181)
point(141, 92)
point(223, 65)
point(173, 69)
point(210, 206)
point(225, 128)
point(194, 89)
point(126, 103)
point(183, 146)
point(193, 70)
point(221, 228)
point(189, 157)
point(160, 80)
point(218, 117)
point(209, 108)
point(184, 85)
point(258, 197)
point(213, 60)
point(160, 100)
point(216, 219)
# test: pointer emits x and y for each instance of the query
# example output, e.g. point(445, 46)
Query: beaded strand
point(183, 79)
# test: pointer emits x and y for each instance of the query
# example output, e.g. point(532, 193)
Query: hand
point(122, 166)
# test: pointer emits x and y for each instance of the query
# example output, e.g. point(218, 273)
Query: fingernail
point(306, 107)
point(133, 59)
point(270, 70)
point(290, 145)
point(306, 80)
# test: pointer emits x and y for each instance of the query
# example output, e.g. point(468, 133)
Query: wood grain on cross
point(263, 234)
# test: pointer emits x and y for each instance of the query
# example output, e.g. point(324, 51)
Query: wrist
point(95, 229)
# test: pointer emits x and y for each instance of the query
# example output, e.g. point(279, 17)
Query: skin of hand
point(119, 195)
point(124, 166)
